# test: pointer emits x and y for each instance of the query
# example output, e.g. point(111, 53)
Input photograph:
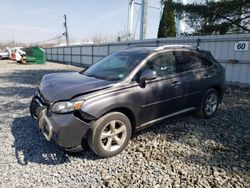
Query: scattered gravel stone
point(182, 152)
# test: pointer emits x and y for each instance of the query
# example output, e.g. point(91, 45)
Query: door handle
point(176, 84)
point(207, 76)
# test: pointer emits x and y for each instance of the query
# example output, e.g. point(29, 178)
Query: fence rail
point(227, 49)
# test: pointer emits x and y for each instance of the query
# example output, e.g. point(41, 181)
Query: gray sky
point(35, 21)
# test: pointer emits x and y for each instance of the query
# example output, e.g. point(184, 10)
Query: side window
point(187, 61)
point(207, 58)
point(163, 64)
point(206, 63)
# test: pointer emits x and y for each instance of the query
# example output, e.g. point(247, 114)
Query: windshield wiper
point(90, 75)
point(101, 77)
point(94, 76)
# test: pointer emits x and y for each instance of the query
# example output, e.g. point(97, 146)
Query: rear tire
point(1, 57)
point(110, 134)
point(209, 104)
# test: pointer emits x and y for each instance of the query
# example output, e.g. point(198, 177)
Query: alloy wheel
point(113, 135)
point(211, 104)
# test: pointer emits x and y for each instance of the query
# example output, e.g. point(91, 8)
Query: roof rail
point(177, 46)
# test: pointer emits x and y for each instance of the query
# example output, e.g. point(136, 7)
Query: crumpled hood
point(64, 86)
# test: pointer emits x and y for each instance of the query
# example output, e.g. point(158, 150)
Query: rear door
point(196, 76)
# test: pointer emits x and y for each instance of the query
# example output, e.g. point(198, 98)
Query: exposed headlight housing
point(65, 107)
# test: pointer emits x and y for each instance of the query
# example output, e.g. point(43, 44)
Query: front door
point(162, 96)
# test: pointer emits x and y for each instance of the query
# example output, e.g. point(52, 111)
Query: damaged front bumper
point(67, 130)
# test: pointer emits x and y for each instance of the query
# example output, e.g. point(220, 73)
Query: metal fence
point(232, 51)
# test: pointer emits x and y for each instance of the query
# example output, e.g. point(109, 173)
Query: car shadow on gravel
point(225, 140)
point(222, 141)
point(30, 145)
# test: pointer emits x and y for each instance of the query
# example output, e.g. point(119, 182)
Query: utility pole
point(13, 39)
point(180, 25)
point(143, 26)
point(178, 22)
point(143, 18)
point(66, 29)
point(130, 18)
point(161, 8)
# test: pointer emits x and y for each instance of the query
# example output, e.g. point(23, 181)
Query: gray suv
point(124, 92)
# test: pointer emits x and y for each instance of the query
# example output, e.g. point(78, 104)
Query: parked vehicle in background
point(124, 92)
point(18, 55)
point(5, 54)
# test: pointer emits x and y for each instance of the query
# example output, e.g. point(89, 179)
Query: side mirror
point(147, 74)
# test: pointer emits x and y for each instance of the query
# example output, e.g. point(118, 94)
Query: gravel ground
point(182, 152)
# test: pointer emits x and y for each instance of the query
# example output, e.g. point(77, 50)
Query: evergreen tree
point(167, 23)
point(216, 17)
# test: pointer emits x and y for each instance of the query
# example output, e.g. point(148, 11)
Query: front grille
point(48, 113)
point(34, 108)
point(42, 99)
point(37, 104)
point(46, 129)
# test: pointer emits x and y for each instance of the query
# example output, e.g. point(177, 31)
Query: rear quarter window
point(206, 62)
point(187, 61)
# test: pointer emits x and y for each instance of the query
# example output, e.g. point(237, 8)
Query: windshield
point(115, 66)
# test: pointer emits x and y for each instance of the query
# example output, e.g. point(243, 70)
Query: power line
point(53, 22)
point(149, 6)
point(6, 41)
point(51, 34)
point(52, 39)
point(144, 5)
point(58, 36)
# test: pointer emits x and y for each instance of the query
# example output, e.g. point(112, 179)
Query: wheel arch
point(220, 91)
point(126, 111)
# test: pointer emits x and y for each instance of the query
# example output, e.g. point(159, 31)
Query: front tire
point(209, 104)
point(110, 134)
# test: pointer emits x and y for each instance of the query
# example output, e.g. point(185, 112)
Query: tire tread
point(91, 137)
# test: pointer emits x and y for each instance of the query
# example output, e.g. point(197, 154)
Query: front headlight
point(65, 107)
